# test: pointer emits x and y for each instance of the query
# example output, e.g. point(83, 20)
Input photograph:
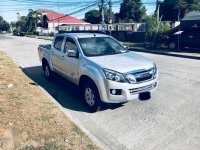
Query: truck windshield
point(100, 46)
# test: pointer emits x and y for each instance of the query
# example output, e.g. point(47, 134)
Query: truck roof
point(83, 35)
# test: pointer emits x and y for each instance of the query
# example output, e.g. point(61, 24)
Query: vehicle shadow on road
point(63, 91)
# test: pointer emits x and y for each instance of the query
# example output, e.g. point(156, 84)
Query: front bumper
point(128, 91)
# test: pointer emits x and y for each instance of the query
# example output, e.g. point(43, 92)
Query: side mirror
point(72, 53)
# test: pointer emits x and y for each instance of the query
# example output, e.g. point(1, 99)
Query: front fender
point(97, 76)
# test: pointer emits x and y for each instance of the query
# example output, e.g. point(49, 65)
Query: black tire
point(91, 97)
point(47, 71)
point(172, 45)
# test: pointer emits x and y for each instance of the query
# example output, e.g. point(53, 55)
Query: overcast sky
point(9, 8)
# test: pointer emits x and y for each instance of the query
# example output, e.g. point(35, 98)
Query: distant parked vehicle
point(189, 37)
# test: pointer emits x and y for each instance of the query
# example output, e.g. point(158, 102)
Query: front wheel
point(91, 96)
point(172, 45)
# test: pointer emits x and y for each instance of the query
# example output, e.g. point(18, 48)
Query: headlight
point(113, 75)
point(154, 71)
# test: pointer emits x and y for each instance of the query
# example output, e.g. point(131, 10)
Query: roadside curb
point(42, 38)
point(174, 54)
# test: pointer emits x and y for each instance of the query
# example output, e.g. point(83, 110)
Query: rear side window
point(58, 42)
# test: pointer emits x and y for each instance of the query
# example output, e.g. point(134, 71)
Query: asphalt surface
point(170, 120)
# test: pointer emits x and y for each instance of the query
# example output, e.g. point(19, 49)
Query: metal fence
point(134, 27)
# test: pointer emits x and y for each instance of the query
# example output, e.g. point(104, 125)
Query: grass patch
point(39, 123)
point(48, 146)
point(76, 129)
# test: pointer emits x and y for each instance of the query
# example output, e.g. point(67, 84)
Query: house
point(52, 20)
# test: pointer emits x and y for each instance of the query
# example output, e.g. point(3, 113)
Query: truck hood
point(122, 62)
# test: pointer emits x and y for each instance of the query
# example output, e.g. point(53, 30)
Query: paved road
point(170, 120)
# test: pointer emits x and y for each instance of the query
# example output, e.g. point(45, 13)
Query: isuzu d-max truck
point(102, 67)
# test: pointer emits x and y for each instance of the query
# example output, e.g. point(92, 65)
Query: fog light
point(113, 92)
point(116, 91)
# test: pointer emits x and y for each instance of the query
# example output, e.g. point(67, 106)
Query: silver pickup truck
point(104, 69)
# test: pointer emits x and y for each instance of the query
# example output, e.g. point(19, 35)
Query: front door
point(71, 64)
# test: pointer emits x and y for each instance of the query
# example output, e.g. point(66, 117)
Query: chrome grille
point(143, 76)
point(142, 89)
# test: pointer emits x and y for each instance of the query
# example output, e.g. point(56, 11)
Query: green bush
point(36, 33)
point(29, 33)
point(153, 29)
point(21, 33)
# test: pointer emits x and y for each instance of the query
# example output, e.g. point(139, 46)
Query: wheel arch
point(84, 78)
point(44, 61)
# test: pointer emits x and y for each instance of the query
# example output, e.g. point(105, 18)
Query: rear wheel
point(47, 71)
point(91, 96)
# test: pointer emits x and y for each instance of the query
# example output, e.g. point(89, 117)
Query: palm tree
point(34, 19)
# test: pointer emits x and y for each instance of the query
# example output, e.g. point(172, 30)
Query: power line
point(75, 12)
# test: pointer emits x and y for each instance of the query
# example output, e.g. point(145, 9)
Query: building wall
point(51, 26)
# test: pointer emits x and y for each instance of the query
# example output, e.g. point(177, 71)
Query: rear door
point(57, 55)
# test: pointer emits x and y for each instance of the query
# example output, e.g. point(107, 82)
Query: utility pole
point(101, 8)
point(158, 11)
point(18, 16)
point(157, 5)
point(110, 11)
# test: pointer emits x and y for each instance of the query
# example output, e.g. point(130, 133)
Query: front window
point(101, 46)
point(70, 45)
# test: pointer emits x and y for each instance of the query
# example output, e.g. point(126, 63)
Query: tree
point(28, 23)
point(155, 31)
point(34, 19)
point(92, 16)
point(4, 26)
point(174, 10)
point(131, 10)
point(21, 25)
point(193, 5)
point(107, 14)
point(1, 18)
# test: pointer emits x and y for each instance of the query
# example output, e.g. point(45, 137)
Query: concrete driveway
point(170, 120)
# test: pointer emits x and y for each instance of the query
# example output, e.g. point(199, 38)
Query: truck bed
point(44, 51)
point(46, 46)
